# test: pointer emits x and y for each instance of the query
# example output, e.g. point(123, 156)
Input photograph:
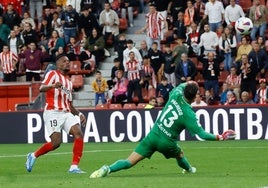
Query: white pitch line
point(123, 150)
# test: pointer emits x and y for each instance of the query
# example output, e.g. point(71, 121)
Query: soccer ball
point(243, 25)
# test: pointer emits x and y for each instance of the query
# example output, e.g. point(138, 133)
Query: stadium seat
point(141, 105)
point(245, 4)
point(129, 106)
point(75, 68)
point(223, 76)
point(123, 24)
point(102, 106)
point(77, 81)
point(115, 106)
point(199, 79)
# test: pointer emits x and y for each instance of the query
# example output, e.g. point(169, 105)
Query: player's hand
point(227, 135)
point(57, 85)
point(83, 119)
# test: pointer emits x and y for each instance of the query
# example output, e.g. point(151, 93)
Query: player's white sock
point(33, 156)
point(73, 167)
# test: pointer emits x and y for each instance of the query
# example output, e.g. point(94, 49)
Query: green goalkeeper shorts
point(154, 142)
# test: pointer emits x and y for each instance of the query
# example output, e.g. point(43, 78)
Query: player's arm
point(76, 112)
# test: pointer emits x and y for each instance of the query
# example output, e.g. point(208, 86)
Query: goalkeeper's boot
point(102, 172)
point(191, 170)
point(30, 162)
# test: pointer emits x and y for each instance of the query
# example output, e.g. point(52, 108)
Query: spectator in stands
point(168, 65)
point(227, 45)
point(33, 60)
point(4, 30)
point(48, 15)
point(198, 101)
point(163, 89)
point(69, 20)
point(258, 14)
point(99, 86)
point(258, 57)
point(244, 48)
point(223, 96)
point(179, 29)
point(28, 19)
point(131, 48)
point(120, 87)
point(133, 72)
point(248, 72)
point(245, 98)
point(95, 44)
point(154, 20)
point(208, 40)
point(232, 13)
point(73, 49)
point(121, 46)
point(56, 24)
point(117, 66)
point(44, 33)
point(261, 42)
point(127, 10)
point(199, 5)
point(209, 99)
point(152, 103)
point(233, 82)
point(179, 50)
point(156, 59)
point(87, 22)
point(149, 78)
point(231, 98)
point(29, 34)
point(193, 39)
point(211, 72)
point(11, 16)
point(175, 6)
point(8, 61)
point(185, 70)
point(109, 21)
point(143, 48)
point(88, 61)
point(92, 4)
point(261, 96)
point(36, 6)
point(54, 42)
point(214, 10)
point(190, 14)
point(14, 43)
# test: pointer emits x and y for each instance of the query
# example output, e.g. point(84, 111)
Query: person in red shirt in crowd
point(8, 61)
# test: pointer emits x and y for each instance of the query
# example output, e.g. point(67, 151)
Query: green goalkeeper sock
point(119, 165)
point(183, 163)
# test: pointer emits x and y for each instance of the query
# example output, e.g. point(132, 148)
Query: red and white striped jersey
point(133, 70)
point(58, 99)
point(6, 61)
point(154, 21)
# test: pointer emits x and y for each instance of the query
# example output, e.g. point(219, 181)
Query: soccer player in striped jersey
point(176, 116)
point(8, 61)
point(59, 114)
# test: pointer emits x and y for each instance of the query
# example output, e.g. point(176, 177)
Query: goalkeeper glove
point(227, 135)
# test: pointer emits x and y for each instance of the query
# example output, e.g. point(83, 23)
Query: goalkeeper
point(176, 116)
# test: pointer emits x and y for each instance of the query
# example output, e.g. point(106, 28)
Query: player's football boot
point(102, 172)
point(191, 170)
point(76, 171)
point(29, 162)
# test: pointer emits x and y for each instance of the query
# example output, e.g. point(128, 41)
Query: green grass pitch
point(229, 164)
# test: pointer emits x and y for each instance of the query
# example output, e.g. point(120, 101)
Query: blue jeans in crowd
point(258, 29)
point(100, 95)
point(212, 84)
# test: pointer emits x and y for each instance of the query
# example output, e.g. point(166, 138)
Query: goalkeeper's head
point(190, 91)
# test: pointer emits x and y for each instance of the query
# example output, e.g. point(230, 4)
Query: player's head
point(190, 92)
point(63, 63)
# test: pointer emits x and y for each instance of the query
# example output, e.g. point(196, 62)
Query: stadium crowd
point(185, 40)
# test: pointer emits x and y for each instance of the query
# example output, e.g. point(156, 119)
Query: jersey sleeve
point(193, 126)
point(49, 78)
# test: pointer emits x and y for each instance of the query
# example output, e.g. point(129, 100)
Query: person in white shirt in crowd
point(131, 48)
point(198, 101)
point(232, 13)
point(214, 10)
point(208, 40)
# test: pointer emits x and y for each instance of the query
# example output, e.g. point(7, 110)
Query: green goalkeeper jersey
point(178, 115)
